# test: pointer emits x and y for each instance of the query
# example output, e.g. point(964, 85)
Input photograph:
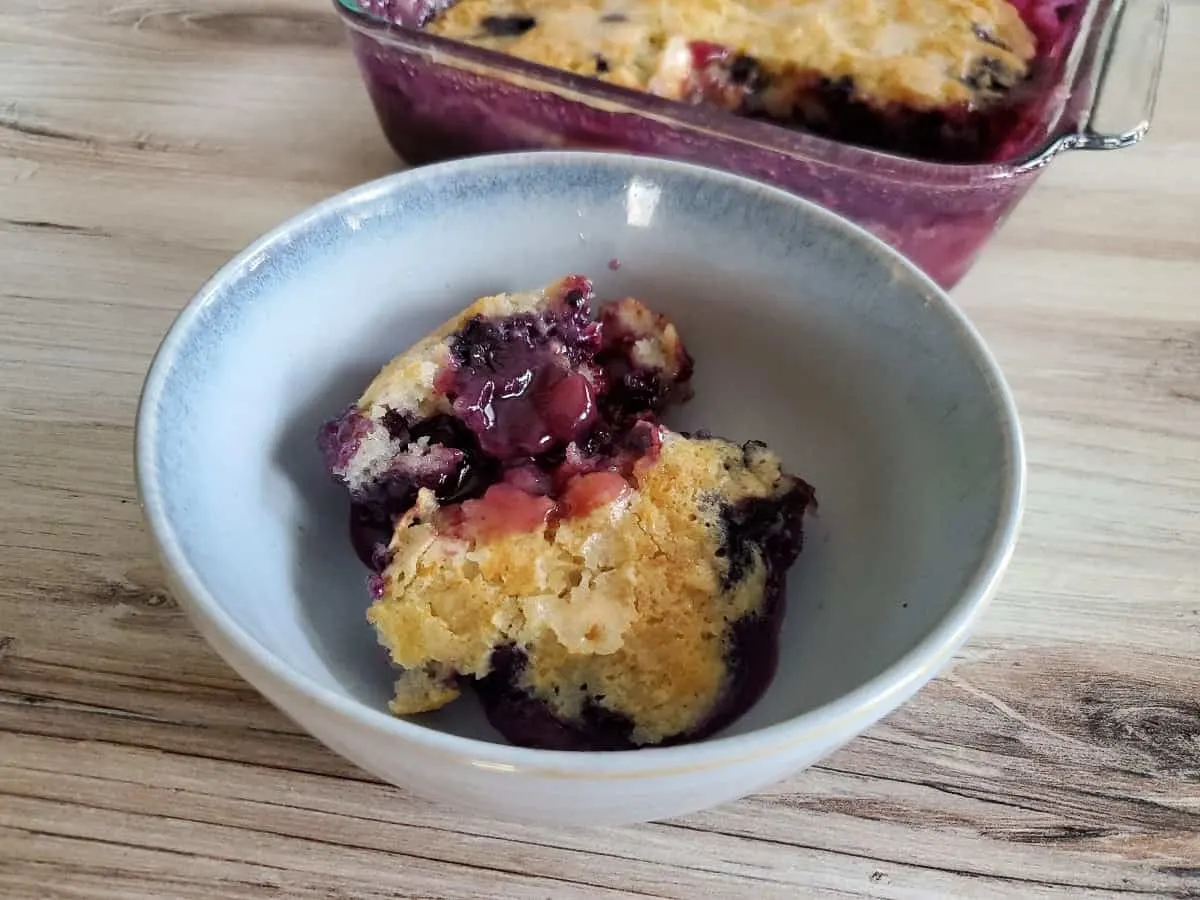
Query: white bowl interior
point(806, 335)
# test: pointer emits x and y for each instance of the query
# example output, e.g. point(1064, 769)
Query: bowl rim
point(865, 704)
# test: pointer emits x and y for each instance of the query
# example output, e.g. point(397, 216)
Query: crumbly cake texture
point(536, 534)
point(768, 57)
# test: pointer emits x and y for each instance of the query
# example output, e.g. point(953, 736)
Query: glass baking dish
point(1095, 83)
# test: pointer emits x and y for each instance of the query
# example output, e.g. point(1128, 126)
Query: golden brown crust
point(406, 384)
point(917, 53)
point(628, 600)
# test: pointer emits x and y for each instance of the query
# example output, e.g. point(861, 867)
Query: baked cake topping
point(535, 532)
point(918, 53)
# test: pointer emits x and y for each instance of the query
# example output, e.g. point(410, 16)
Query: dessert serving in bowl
point(924, 121)
point(626, 512)
point(538, 534)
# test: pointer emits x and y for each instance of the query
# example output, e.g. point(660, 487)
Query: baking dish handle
point(1128, 78)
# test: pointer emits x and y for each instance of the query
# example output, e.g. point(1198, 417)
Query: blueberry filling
point(453, 466)
point(842, 87)
point(514, 387)
point(475, 471)
point(773, 527)
point(833, 108)
point(508, 26)
point(893, 111)
point(990, 74)
point(955, 134)
point(747, 71)
point(527, 385)
point(632, 391)
point(339, 439)
point(988, 38)
point(526, 721)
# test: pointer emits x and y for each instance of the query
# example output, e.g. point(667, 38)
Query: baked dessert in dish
point(537, 534)
point(928, 77)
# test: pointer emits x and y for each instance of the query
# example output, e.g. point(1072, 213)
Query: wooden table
point(143, 143)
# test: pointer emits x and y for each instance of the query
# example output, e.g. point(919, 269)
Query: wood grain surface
point(142, 143)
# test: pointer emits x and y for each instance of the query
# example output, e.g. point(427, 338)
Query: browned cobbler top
point(407, 387)
point(625, 594)
point(919, 54)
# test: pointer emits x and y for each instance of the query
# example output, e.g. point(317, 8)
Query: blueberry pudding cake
point(926, 77)
point(537, 535)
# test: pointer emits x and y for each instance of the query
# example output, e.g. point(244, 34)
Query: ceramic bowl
point(808, 333)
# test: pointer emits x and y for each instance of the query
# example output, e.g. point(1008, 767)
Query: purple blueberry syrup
point(940, 216)
point(528, 722)
point(834, 109)
point(773, 527)
point(524, 399)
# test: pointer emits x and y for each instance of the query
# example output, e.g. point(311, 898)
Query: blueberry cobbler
point(536, 534)
point(927, 77)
